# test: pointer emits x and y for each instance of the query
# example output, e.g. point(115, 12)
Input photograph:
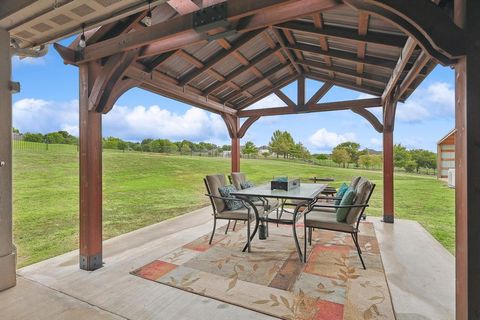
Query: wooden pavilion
point(223, 56)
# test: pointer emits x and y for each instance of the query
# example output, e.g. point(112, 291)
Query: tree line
point(283, 144)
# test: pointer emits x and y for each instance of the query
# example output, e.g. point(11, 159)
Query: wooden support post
point(8, 255)
point(388, 164)
point(90, 173)
point(467, 169)
point(235, 153)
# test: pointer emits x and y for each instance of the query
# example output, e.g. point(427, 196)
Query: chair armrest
point(223, 198)
point(329, 198)
point(341, 206)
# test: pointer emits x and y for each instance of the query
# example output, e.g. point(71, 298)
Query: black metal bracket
point(211, 17)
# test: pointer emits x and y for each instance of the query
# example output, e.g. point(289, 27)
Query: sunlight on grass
point(143, 188)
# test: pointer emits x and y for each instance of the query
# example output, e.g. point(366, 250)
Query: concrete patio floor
point(420, 274)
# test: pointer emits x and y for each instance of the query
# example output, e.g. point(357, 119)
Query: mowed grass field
point(143, 188)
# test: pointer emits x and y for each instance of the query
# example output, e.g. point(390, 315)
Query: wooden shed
point(446, 154)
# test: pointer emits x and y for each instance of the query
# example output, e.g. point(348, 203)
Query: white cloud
point(29, 61)
point(270, 101)
point(137, 123)
point(323, 138)
point(435, 101)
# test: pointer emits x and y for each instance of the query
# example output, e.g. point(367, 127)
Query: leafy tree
point(423, 158)
point(34, 137)
point(322, 156)
point(250, 148)
point(400, 155)
point(185, 148)
point(275, 142)
point(352, 149)
point(365, 160)
point(15, 130)
point(340, 156)
point(410, 165)
point(376, 160)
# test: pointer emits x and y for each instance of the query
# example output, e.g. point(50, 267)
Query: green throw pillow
point(347, 200)
point(341, 191)
point(231, 204)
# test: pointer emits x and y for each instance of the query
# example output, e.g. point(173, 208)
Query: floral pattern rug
point(272, 280)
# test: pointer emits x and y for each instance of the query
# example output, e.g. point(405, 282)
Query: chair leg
point(359, 251)
point(305, 236)
point(213, 232)
point(355, 239)
point(277, 216)
point(234, 225)
point(310, 235)
point(248, 235)
point(228, 226)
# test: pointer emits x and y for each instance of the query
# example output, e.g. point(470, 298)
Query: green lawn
point(141, 189)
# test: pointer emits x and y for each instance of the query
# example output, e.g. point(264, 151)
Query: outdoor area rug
point(272, 280)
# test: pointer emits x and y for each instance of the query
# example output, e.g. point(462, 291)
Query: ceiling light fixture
point(82, 43)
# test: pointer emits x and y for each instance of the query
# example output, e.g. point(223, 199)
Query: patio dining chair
point(239, 181)
point(248, 211)
point(323, 216)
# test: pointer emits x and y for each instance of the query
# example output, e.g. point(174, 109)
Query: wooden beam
point(159, 60)
point(183, 6)
point(370, 117)
point(177, 32)
point(363, 20)
point(281, 41)
point(90, 143)
point(279, 93)
point(389, 107)
point(347, 56)
point(321, 107)
point(412, 74)
point(246, 125)
point(407, 52)
point(217, 58)
point(190, 59)
point(467, 170)
point(268, 91)
point(300, 93)
point(347, 84)
point(378, 79)
point(156, 82)
point(239, 71)
point(112, 72)
point(425, 22)
point(320, 93)
point(341, 33)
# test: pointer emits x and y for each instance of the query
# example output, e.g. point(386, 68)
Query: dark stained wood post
point(467, 160)
point(8, 257)
point(388, 164)
point(90, 173)
point(235, 153)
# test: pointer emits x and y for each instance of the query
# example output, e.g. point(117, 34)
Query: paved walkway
point(419, 270)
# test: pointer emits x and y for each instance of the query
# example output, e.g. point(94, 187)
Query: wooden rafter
point(341, 33)
point(318, 23)
point(179, 32)
point(281, 41)
point(425, 22)
point(347, 56)
point(268, 91)
point(407, 52)
point(156, 82)
point(300, 93)
point(254, 82)
point(412, 74)
point(183, 6)
point(239, 71)
point(347, 84)
point(363, 19)
point(217, 58)
point(379, 79)
point(328, 106)
point(322, 91)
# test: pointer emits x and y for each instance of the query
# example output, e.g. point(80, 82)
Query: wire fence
point(22, 145)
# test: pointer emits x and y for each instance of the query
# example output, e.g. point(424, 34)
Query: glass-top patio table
point(304, 196)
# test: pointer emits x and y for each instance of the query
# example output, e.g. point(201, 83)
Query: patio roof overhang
point(223, 56)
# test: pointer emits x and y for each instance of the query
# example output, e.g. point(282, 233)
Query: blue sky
point(48, 102)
